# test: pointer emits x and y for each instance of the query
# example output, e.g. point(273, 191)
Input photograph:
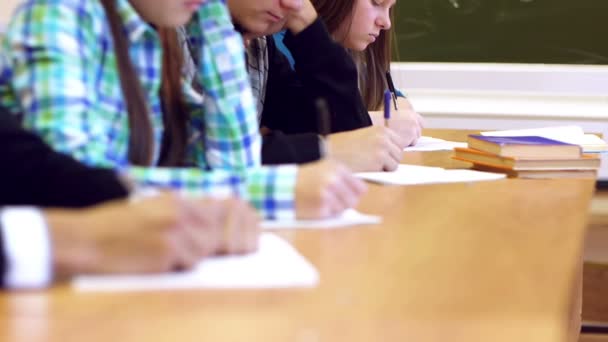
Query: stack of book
point(528, 157)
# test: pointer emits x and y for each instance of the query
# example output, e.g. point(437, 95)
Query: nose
point(384, 20)
point(291, 5)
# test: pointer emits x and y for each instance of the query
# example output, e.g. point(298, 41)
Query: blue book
point(530, 147)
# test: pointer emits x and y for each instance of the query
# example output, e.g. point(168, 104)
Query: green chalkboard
point(502, 31)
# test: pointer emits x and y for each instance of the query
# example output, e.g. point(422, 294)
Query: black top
point(324, 69)
point(31, 173)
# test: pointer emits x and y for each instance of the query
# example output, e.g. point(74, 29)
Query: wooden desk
point(490, 261)
point(595, 269)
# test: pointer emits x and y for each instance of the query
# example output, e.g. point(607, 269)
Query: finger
point(228, 233)
point(356, 185)
point(402, 140)
point(394, 153)
point(238, 239)
point(343, 195)
point(201, 226)
point(202, 240)
point(327, 204)
point(251, 228)
point(346, 190)
point(184, 258)
point(255, 230)
point(335, 205)
point(421, 121)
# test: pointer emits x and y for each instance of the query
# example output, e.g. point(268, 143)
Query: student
point(154, 235)
point(87, 75)
point(323, 69)
point(364, 28)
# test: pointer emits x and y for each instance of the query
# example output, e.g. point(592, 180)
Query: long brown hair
point(373, 62)
point(175, 118)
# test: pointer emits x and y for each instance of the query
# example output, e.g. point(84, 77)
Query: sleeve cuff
point(279, 148)
point(272, 191)
point(27, 248)
point(400, 93)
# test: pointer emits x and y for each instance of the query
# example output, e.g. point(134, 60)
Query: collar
point(134, 25)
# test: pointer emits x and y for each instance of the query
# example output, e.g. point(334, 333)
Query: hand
point(325, 189)
point(240, 226)
point(154, 235)
point(302, 14)
point(406, 122)
point(374, 148)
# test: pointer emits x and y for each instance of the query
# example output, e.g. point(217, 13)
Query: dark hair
point(175, 118)
point(373, 62)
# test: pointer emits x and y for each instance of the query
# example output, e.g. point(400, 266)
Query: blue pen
point(388, 96)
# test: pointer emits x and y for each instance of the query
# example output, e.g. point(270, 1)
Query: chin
point(359, 46)
point(178, 21)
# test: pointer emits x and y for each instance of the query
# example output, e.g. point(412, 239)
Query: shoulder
point(42, 18)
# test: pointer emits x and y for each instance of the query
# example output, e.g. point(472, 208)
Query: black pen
point(324, 122)
point(391, 87)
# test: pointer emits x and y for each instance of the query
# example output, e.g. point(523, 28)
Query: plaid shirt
point(58, 68)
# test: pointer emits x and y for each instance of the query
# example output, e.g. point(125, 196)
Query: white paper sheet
point(415, 174)
point(276, 264)
point(434, 144)
point(348, 218)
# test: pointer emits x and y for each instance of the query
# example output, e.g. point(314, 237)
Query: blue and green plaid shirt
point(58, 68)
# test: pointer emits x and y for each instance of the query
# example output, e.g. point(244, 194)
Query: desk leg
point(576, 310)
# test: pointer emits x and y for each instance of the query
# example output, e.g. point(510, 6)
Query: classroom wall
point(489, 96)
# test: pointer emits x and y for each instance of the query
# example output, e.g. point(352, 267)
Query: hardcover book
point(524, 147)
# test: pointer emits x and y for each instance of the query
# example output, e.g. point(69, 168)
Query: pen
point(324, 122)
point(391, 87)
point(387, 106)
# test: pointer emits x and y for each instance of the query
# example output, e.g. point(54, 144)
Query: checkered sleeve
point(269, 190)
point(47, 48)
point(231, 139)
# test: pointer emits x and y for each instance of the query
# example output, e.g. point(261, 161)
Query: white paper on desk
point(404, 175)
point(415, 174)
point(276, 264)
point(434, 144)
point(349, 217)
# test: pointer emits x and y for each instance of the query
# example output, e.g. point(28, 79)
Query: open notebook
point(276, 264)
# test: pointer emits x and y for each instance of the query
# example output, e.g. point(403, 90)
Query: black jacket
point(31, 173)
point(323, 69)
